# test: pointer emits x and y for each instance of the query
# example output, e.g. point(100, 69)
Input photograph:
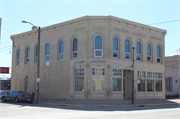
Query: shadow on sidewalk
point(110, 105)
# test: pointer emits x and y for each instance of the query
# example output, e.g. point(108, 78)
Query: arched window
point(36, 53)
point(158, 54)
point(98, 46)
point(47, 53)
point(138, 51)
point(75, 47)
point(149, 53)
point(127, 49)
point(61, 50)
point(18, 56)
point(27, 55)
point(115, 47)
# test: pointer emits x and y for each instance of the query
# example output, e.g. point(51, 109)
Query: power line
point(164, 22)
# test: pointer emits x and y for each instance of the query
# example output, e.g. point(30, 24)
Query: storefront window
point(79, 79)
point(117, 80)
point(141, 80)
point(98, 76)
point(168, 84)
point(158, 79)
point(150, 81)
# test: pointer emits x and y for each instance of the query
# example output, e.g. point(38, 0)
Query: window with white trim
point(149, 59)
point(75, 48)
point(141, 76)
point(98, 76)
point(138, 49)
point(61, 50)
point(150, 81)
point(117, 79)
point(98, 46)
point(18, 56)
point(27, 55)
point(47, 54)
point(158, 54)
point(79, 79)
point(158, 81)
point(127, 49)
point(168, 85)
point(115, 47)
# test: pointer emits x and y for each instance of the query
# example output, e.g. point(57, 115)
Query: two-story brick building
point(90, 58)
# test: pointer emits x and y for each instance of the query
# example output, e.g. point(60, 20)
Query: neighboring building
point(5, 84)
point(90, 58)
point(172, 74)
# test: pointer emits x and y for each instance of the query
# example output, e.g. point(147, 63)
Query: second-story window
point(47, 53)
point(18, 56)
point(98, 46)
point(27, 55)
point(138, 51)
point(115, 47)
point(127, 49)
point(149, 53)
point(75, 47)
point(158, 54)
point(61, 50)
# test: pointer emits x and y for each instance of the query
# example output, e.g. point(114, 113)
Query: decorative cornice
point(95, 19)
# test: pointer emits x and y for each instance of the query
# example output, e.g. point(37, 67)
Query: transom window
point(75, 47)
point(141, 76)
point(18, 56)
point(61, 50)
point(158, 54)
point(149, 53)
point(98, 76)
point(47, 54)
point(127, 49)
point(115, 47)
point(117, 79)
point(98, 46)
point(79, 79)
point(27, 55)
point(138, 51)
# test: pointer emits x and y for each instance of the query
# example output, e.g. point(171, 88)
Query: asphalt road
point(10, 110)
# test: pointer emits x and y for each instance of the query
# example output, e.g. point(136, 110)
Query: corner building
point(90, 58)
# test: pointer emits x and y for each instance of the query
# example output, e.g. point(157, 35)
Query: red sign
point(4, 70)
point(132, 66)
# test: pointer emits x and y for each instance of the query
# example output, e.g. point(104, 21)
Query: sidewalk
point(113, 103)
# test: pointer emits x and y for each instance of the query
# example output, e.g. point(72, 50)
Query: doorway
point(127, 84)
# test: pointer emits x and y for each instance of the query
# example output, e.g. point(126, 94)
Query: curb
point(146, 105)
point(61, 105)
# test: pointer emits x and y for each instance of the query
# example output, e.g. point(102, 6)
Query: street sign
point(4, 70)
point(132, 66)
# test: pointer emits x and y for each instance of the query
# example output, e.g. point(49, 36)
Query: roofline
point(86, 18)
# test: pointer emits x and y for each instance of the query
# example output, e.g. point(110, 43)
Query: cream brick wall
point(60, 82)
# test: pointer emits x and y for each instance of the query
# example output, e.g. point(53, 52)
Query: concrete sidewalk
point(113, 103)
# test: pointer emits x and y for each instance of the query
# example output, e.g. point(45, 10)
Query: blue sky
point(48, 12)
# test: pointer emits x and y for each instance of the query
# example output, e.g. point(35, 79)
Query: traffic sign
point(132, 66)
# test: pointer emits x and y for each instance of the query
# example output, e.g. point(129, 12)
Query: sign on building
point(4, 70)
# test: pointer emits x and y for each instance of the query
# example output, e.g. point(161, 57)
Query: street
point(10, 110)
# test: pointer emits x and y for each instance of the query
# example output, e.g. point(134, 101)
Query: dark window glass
point(127, 46)
point(115, 43)
point(75, 44)
point(148, 49)
point(98, 42)
point(47, 48)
